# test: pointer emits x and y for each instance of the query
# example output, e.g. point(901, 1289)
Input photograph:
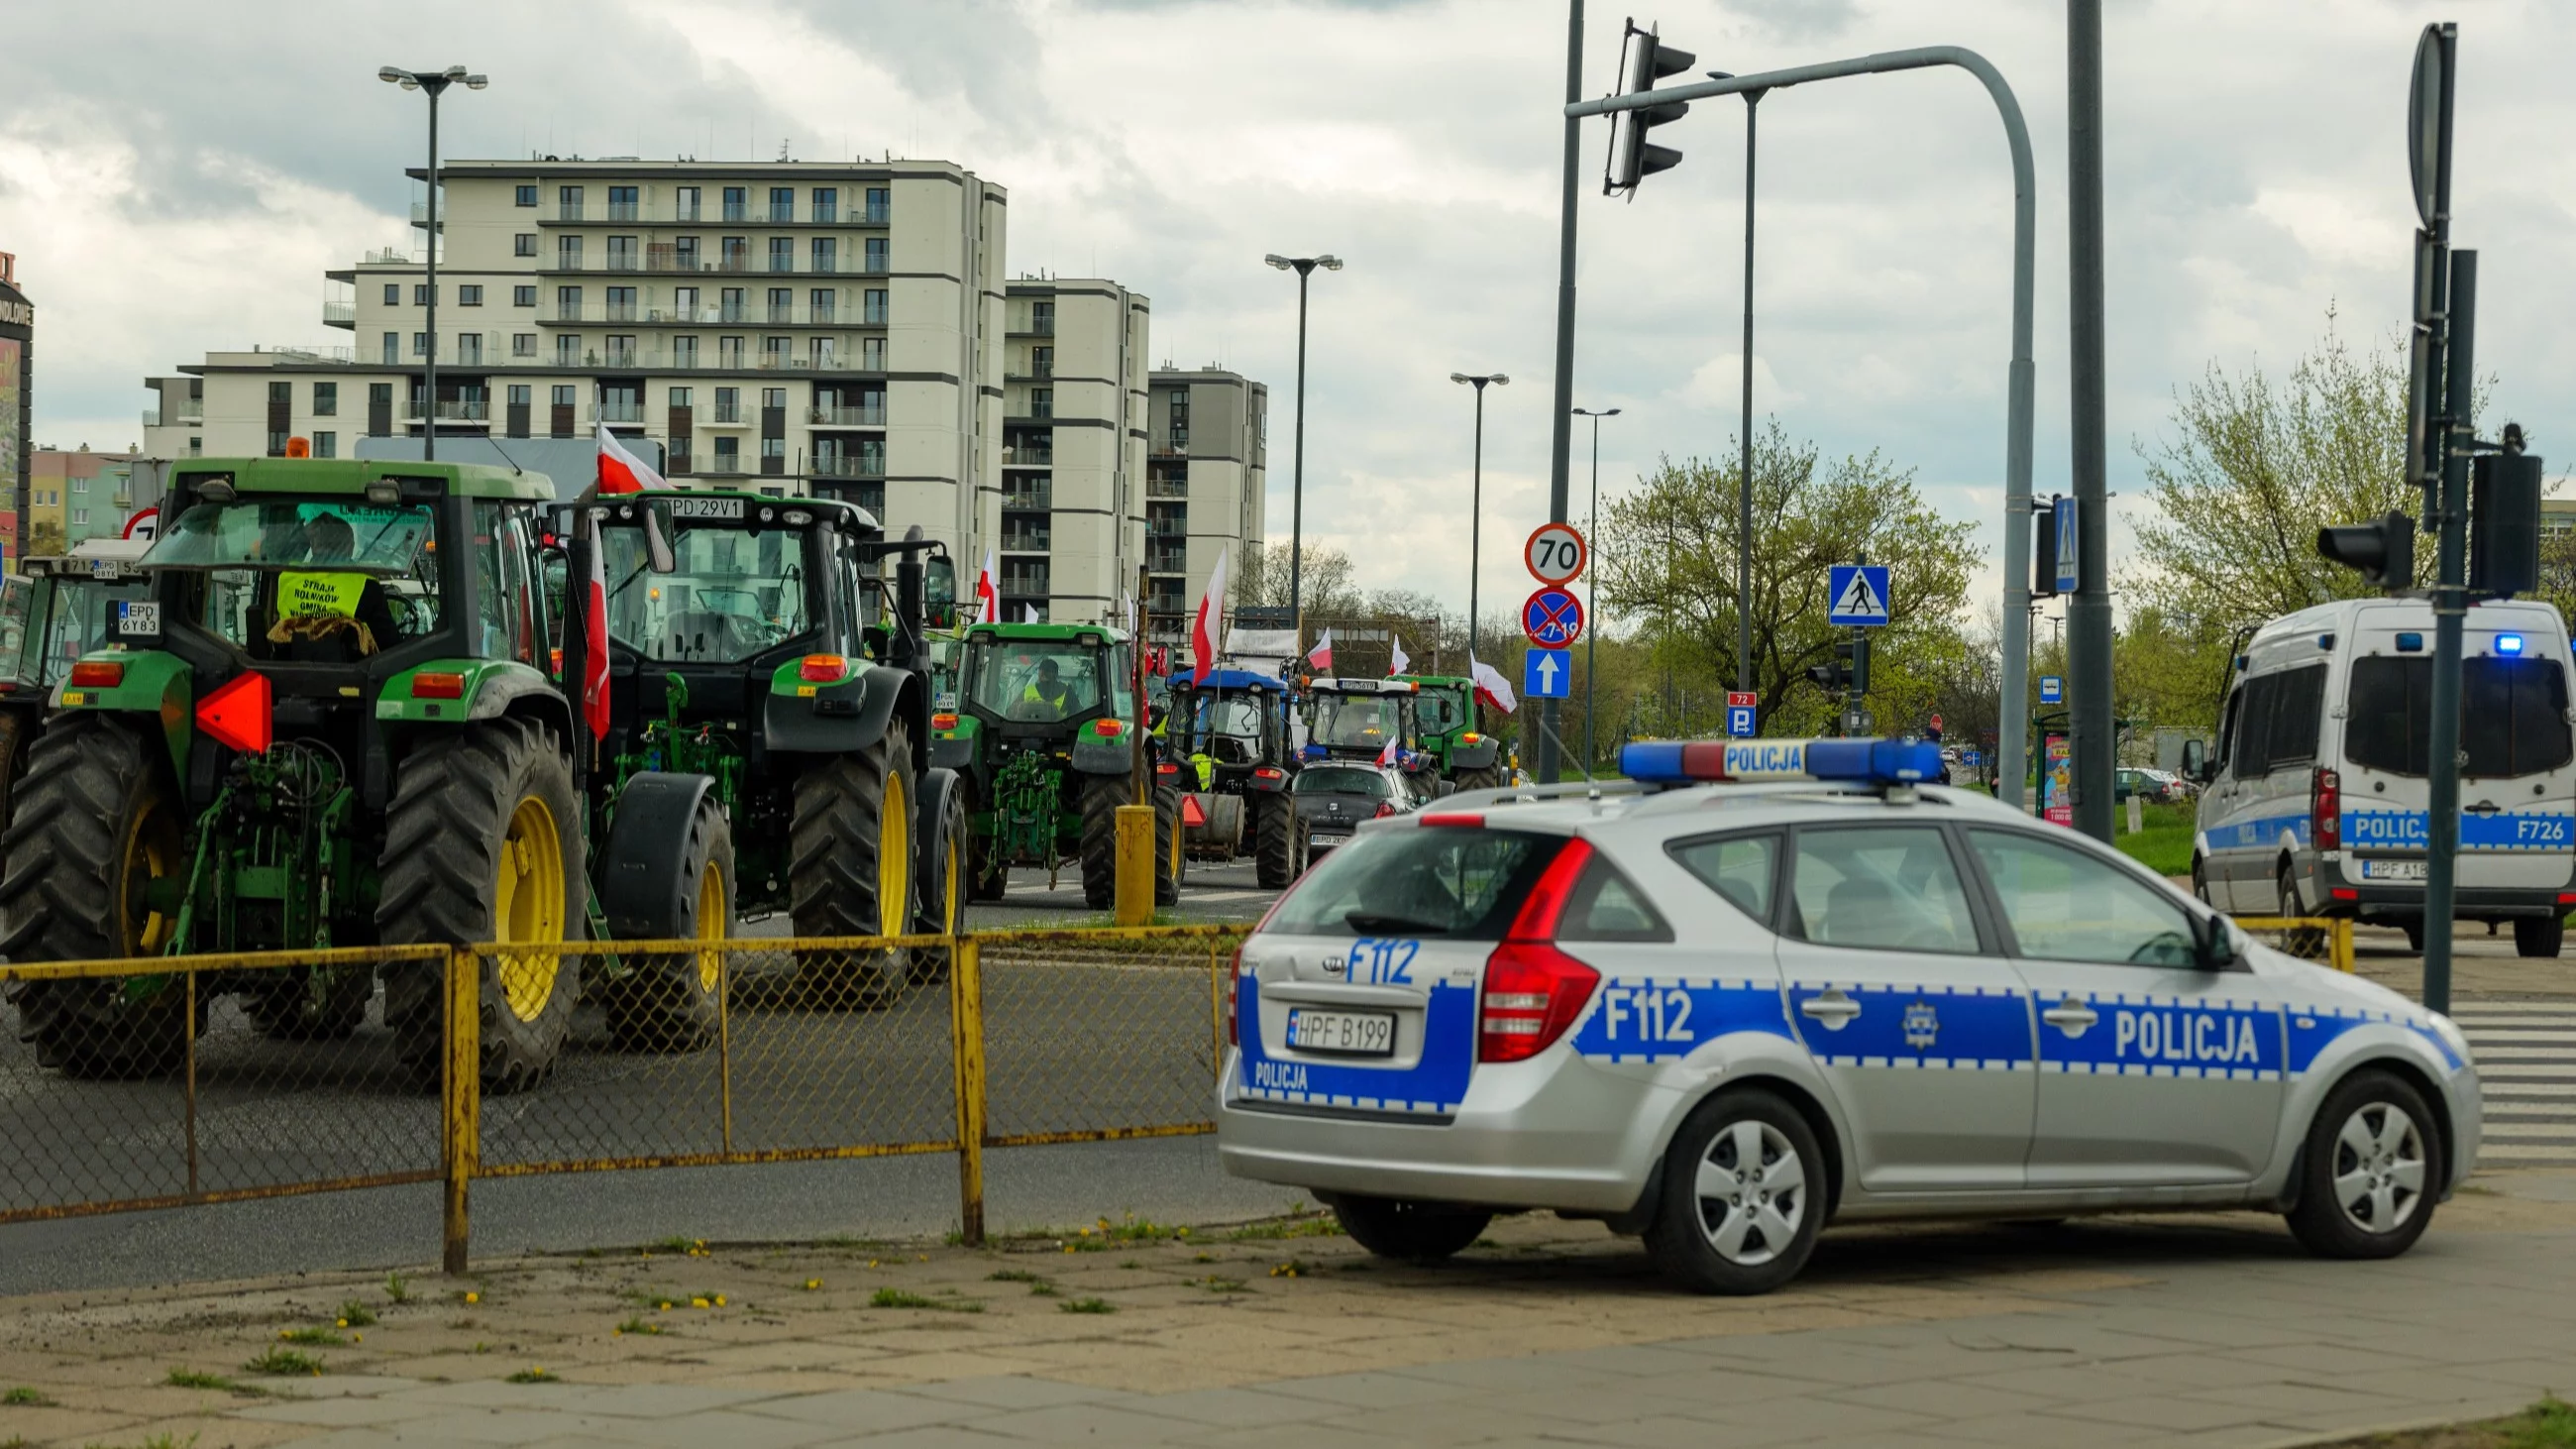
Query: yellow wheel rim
point(712, 924)
point(1172, 867)
point(152, 851)
point(894, 860)
point(528, 907)
point(951, 918)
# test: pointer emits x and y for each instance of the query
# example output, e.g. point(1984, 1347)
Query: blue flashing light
point(2410, 643)
point(1315, 752)
point(1860, 761)
point(2509, 644)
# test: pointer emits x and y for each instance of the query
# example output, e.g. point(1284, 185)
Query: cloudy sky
point(175, 177)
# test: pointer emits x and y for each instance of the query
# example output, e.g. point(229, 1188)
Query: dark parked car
point(1334, 798)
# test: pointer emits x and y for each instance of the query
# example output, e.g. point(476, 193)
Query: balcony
point(1033, 327)
point(188, 416)
point(1027, 500)
point(1026, 540)
point(863, 416)
point(849, 465)
point(1167, 560)
point(339, 314)
point(1028, 457)
point(667, 211)
point(388, 257)
point(744, 314)
point(724, 465)
point(661, 261)
point(1167, 488)
point(1031, 584)
point(729, 415)
point(617, 412)
point(1176, 446)
point(468, 410)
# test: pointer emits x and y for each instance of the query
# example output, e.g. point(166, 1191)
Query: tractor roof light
point(384, 492)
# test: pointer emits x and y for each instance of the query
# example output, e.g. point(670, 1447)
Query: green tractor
point(55, 609)
point(337, 724)
point(1445, 709)
point(1228, 738)
point(1046, 734)
point(758, 659)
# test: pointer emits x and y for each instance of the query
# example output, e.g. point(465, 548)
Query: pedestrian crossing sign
point(1858, 595)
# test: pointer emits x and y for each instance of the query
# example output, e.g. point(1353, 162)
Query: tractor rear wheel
point(674, 1002)
point(1280, 847)
point(18, 727)
point(991, 872)
point(1484, 777)
point(1101, 797)
point(944, 865)
point(483, 842)
point(97, 825)
point(850, 871)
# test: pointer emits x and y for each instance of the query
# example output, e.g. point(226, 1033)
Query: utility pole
point(2088, 613)
point(1561, 439)
point(1744, 483)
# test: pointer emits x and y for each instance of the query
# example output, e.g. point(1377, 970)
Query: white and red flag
point(988, 593)
point(621, 471)
point(594, 632)
point(1386, 757)
point(1396, 664)
point(1321, 656)
point(1491, 687)
point(1207, 632)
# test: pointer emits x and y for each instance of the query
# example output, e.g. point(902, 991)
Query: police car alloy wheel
point(1738, 1214)
point(2371, 1169)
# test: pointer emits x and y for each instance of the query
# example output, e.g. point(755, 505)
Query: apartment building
point(73, 494)
point(1073, 448)
point(1206, 471)
point(797, 327)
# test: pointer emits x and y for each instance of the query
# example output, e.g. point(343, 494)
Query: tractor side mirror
point(939, 591)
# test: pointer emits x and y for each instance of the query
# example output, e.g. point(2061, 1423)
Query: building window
point(733, 307)
point(1042, 402)
point(621, 204)
point(564, 394)
point(880, 204)
point(827, 255)
point(518, 394)
point(773, 352)
point(469, 348)
point(420, 294)
point(420, 344)
point(326, 445)
point(393, 348)
point(782, 304)
point(326, 399)
point(568, 350)
point(623, 255)
point(684, 304)
point(393, 294)
point(825, 354)
point(196, 447)
point(728, 404)
point(527, 196)
point(523, 296)
point(737, 203)
point(877, 254)
point(621, 351)
point(276, 445)
point(567, 304)
point(523, 244)
point(782, 254)
point(823, 303)
point(872, 353)
point(523, 344)
point(469, 296)
point(621, 304)
point(684, 352)
point(80, 518)
point(728, 455)
point(728, 352)
point(679, 397)
point(733, 254)
point(782, 203)
point(827, 204)
point(568, 203)
point(568, 254)
point(873, 307)
point(281, 394)
point(684, 204)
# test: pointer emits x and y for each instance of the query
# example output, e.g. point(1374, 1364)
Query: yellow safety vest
point(1206, 769)
point(304, 595)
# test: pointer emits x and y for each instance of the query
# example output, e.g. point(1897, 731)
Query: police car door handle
point(1832, 1008)
point(2070, 1016)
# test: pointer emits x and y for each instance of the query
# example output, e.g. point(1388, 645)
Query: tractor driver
point(1047, 694)
point(318, 594)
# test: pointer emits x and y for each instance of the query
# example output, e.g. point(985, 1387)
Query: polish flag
point(1206, 631)
point(1028, 613)
point(1386, 757)
point(621, 471)
point(1321, 656)
point(1396, 665)
point(988, 596)
point(1491, 687)
point(594, 633)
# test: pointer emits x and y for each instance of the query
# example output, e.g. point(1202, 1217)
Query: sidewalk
point(2200, 1331)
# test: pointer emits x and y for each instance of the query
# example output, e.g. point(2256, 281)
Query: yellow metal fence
point(477, 1063)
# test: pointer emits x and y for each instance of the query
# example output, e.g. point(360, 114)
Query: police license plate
point(1350, 1033)
point(2392, 870)
point(1329, 837)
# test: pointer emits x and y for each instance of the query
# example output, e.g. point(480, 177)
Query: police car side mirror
point(2212, 948)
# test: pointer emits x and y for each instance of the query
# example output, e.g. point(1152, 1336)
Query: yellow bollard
point(1135, 897)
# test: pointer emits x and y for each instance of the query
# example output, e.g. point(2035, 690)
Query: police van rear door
point(1359, 995)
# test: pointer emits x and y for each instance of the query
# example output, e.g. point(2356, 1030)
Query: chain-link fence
point(312, 1071)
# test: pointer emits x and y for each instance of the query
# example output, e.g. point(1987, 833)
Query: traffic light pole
point(2088, 613)
point(2019, 400)
point(2450, 611)
point(1561, 444)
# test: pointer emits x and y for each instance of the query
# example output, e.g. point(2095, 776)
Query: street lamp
point(1303, 266)
point(1744, 480)
point(1476, 508)
point(432, 81)
point(1592, 579)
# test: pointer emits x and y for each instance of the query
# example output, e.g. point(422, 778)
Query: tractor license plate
point(138, 618)
point(2392, 870)
point(1346, 1033)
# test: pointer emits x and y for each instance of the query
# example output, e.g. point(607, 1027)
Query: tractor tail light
point(943, 721)
point(1167, 768)
point(430, 684)
point(2325, 809)
point(823, 669)
point(98, 674)
point(1109, 729)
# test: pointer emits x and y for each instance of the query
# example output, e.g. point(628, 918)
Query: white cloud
point(1719, 383)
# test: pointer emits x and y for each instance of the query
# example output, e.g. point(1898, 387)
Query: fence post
point(966, 1032)
point(2341, 947)
point(461, 1108)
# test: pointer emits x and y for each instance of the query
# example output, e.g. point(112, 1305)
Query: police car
point(1766, 984)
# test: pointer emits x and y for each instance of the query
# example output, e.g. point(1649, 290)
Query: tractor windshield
point(66, 618)
point(347, 535)
point(1356, 719)
point(1443, 710)
point(1034, 681)
point(737, 593)
point(1225, 726)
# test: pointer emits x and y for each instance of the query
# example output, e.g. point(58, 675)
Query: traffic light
point(1849, 671)
point(1643, 61)
point(2504, 520)
point(2384, 550)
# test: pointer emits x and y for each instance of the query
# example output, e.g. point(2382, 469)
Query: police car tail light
point(2325, 809)
point(1533, 991)
point(1234, 1000)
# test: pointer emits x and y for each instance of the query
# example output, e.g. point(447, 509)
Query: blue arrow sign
point(1547, 674)
point(1552, 618)
point(1857, 595)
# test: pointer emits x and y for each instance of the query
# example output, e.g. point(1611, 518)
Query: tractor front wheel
point(674, 1002)
point(1280, 845)
point(483, 843)
point(1173, 862)
point(1101, 797)
point(851, 869)
point(97, 825)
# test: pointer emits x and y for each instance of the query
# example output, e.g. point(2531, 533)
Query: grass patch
point(2549, 1424)
point(397, 1288)
point(356, 1314)
point(23, 1397)
point(678, 1246)
point(639, 1324)
point(1303, 1225)
point(898, 1298)
point(2165, 845)
point(191, 1379)
point(310, 1337)
point(1223, 1285)
point(284, 1363)
point(532, 1375)
point(1086, 1305)
point(1039, 1284)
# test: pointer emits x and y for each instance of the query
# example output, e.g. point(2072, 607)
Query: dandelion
point(697, 1303)
point(342, 1323)
point(720, 1300)
point(813, 1283)
point(473, 1297)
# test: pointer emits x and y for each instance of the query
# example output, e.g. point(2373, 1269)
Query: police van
point(1763, 984)
point(2314, 799)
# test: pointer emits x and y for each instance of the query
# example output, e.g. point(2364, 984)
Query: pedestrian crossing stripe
point(1859, 598)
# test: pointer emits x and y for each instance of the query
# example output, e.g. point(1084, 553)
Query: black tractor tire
point(467, 802)
point(851, 810)
point(674, 1002)
point(100, 818)
point(942, 866)
point(992, 874)
point(1484, 777)
point(1100, 799)
point(1172, 864)
point(2539, 935)
point(1409, 1232)
point(323, 1003)
point(1280, 845)
point(18, 730)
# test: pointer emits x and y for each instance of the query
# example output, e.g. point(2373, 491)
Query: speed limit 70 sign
point(1555, 553)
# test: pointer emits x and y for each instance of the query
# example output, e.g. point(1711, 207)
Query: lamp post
point(1592, 580)
point(1304, 267)
point(1744, 482)
point(432, 81)
point(1476, 505)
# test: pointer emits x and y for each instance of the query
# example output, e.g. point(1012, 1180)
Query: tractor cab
point(59, 607)
point(1231, 738)
point(1042, 682)
point(1358, 719)
point(1446, 708)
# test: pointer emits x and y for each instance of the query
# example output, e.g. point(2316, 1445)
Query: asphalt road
point(1079, 1040)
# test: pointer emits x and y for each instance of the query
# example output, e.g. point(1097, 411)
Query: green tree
point(43, 540)
point(1667, 561)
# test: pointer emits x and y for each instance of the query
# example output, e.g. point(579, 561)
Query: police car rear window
point(1740, 868)
point(1607, 906)
point(1457, 884)
point(1892, 888)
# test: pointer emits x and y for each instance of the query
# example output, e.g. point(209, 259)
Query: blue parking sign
point(1739, 720)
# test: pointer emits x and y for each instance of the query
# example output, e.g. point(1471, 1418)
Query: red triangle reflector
point(237, 713)
point(1191, 814)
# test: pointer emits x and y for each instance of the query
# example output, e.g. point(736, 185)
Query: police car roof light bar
point(1878, 762)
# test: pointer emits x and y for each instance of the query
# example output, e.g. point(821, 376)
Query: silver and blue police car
point(1767, 984)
